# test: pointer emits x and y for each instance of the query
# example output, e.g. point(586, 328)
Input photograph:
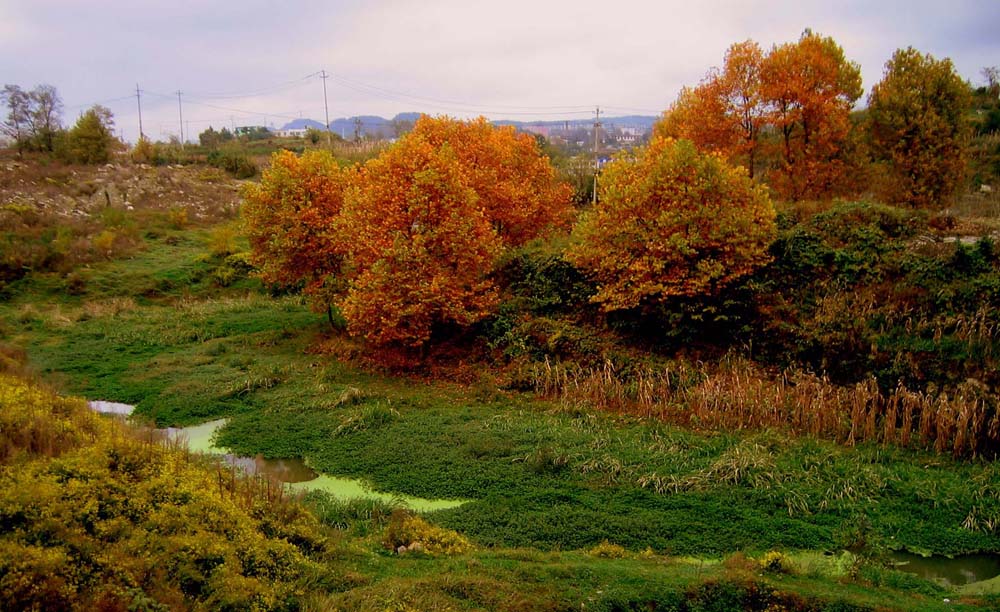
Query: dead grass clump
point(107, 308)
point(740, 395)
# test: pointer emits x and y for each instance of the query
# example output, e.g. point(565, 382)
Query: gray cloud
point(463, 57)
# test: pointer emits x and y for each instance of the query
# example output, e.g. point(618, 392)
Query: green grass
point(544, 483)
point(537, 476)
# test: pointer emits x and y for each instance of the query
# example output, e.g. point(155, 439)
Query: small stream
point(294, 472)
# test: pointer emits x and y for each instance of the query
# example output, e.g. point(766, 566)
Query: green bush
point(233, 162)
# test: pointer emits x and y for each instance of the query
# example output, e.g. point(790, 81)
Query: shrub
point(91, 140)
point(671, 222)
point(233, 162)
point(222, 241)
point(143, 152)
point(80, 495)
point(776, 563)
point(409, 533)
point(607, 550)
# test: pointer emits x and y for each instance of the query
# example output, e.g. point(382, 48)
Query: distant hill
point(302, 124)
point(372, 125)
point(407, 117)
point(643, 121)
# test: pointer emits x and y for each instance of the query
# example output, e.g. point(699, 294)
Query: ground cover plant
point(100, 515)
point(544, 475)
point(540, 476)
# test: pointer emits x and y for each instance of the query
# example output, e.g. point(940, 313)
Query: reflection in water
point(199, 439)
point(959, 571)
point(111, 407)
point(282, 470)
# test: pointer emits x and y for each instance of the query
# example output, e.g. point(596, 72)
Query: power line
point(397, 94)
point(639, 110)
point(108, 101)
point(230, 108)
point(453, 107)
point(250, 94)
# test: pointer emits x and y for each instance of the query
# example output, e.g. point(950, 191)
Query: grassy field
point(97, 516)
point(155, 330)
point(567, 505)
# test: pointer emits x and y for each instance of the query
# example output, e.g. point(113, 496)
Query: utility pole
point(597, 128)
point(180, 115)
point(138, 101)
point(326, 110)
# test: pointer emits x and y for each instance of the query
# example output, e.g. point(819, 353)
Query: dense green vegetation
point(189, 336)
point(97, 515)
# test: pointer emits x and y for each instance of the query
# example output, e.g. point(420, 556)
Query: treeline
point(786, 115)
point(34, 123)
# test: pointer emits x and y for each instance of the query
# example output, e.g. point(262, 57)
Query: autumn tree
point(421, 246)
point(725, 113)
point(405, 245)
point(515, 183)
point(811, 88)
point(918, 128)
point(700, 115)
point(428, 220)
point(289, 218)
point(672, 221)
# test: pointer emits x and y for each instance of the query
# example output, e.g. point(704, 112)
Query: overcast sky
point(247, 62)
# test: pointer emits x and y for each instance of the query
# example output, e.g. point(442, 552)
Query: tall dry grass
point(739, 395)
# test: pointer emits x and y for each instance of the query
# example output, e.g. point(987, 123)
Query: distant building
point(292, 132)
point(541, 130)
point(629, 134)
point(253, 131)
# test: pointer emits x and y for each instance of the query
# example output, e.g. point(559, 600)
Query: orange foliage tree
point(811, 88)
point(288, 219)
point(672, 221)
point(406, 244)
point(725, 113)
point(918, 128)
point(801, 92)
point(516, 185)
point(428, 220)
point(422, 246)
point(701, 116)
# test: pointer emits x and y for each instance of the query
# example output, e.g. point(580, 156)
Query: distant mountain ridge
point(373, 125)
point(302, 124)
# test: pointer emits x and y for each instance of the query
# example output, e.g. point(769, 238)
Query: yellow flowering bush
point(96, 517)
point(607, 550)
point(409, 533)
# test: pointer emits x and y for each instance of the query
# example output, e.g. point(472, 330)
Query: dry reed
point(740, 395)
